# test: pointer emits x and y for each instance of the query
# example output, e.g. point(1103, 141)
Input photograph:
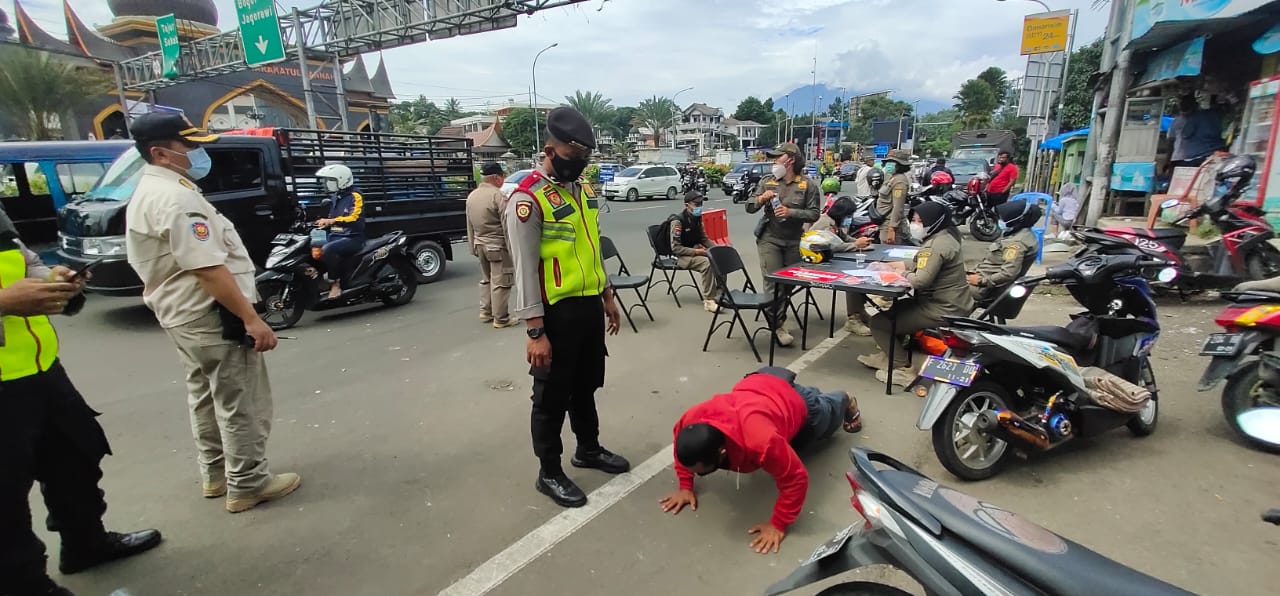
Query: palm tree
point(656, 113)
point(453, 108)
point(38, 91)
point(593, 106)
point(976, 101)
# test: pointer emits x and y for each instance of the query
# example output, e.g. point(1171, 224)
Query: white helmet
point(337, 177)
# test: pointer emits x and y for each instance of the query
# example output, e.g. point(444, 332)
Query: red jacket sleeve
point(792, 479)
point(682, 473)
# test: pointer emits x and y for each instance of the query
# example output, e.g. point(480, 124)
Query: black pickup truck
point(413, 184)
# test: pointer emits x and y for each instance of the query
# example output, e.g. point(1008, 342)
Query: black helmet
point(875, 178)
point(1237, 171)
point(841, 208)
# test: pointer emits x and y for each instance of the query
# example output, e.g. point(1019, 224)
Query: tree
point(836, 109)
point(594, 107)
point(656, 113)
point(622, 150)
point(976, 101)
point(933, 132)
point(999, 82)
point(453, 109)
point(518, 130)
point(1077, 102)
point(39, 91)
point(752, 109)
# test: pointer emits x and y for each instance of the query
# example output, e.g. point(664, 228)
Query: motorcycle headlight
point(103, 246)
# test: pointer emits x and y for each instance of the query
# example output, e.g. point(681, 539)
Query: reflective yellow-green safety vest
point(570, 249)
point(30, 343)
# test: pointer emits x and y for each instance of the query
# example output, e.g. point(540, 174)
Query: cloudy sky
point(724, 49)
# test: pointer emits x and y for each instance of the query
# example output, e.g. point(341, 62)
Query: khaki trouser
point(702, 265)
point(495, 286)
point(229, 397)
point(772, 258)
point(910, 319)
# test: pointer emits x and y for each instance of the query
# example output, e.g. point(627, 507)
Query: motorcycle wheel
point(1263, 263)
point(963, 449)
point(1244, 391)
point(280, 312)
point(863, 589)
point(1144, 423)
point(406, 278)
point(983, 226)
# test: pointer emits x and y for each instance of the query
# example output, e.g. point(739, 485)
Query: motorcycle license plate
point(1222, 344)
point(834, 545)
point(952, 372)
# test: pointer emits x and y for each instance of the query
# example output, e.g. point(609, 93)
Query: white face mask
point(779, 171)
point(917, 231)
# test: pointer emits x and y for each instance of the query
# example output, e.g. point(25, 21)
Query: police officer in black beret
point(563, 296)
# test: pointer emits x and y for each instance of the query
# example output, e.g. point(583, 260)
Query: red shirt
point(1004, 178)
point(758, 417)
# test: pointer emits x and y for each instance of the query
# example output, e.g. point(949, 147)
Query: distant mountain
point(802, 99)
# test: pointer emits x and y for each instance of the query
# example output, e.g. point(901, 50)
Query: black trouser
point(47, 434)
point(335, 254)
point(575, 327)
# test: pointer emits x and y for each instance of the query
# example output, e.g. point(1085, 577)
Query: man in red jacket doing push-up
point(759, 424)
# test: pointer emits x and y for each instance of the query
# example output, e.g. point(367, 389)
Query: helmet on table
point(830, 184)
point(816, 246)
point(336, 177)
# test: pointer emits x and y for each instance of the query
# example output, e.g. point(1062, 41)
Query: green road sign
point(259, 32)
point(167, 29)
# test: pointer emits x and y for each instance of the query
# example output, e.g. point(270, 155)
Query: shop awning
point(1182, 60)
point(1269, 42)
point(1162, 24)
point(1055, 143)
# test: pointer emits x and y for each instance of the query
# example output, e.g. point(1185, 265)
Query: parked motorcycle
point(745, 187)
point(1246, 355)
point(1001, 388)
point(968, 207)
point(1242, 253)
point(293, 282)
point(953, 544)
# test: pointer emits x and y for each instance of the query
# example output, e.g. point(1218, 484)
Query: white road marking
point(511, 560)
point(641, 208)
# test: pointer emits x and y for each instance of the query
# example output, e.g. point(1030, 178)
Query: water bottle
point(776, 204)
point(318, 238)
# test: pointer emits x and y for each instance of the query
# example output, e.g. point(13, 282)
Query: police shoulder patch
point(200, 229)
point(922, 259)
point(524, 209)
point(804, 184)
point(553, 197)
point(1011, 252)
point(188, 184)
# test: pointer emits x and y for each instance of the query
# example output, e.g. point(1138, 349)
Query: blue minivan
point(37, 178)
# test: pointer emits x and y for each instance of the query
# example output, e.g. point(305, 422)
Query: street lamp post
point(675, 109)
point(537, 136)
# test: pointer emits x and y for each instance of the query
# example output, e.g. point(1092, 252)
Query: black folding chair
point(623, 280)
point(725, 260)
point(668, 264)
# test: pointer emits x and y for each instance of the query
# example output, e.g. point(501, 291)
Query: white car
point(638, 182)
point(509, 185)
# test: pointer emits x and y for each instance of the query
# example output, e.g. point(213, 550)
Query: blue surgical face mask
point(200, 163)
point(890, 168)
point(848, 221)
point(697, 211)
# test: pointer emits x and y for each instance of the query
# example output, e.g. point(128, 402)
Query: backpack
point(662, 239)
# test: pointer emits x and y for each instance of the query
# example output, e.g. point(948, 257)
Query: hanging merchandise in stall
point(1258, 139)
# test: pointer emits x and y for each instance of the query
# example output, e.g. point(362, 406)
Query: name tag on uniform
point(564, 210)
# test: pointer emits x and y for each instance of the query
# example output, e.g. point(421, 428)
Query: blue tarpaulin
point(1055, 143)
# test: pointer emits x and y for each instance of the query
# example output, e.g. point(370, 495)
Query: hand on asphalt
point(678, 500)
point(767, 538)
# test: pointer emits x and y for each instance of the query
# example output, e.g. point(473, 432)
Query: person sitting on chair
point(345, 222)
point(760, 423)
point(837, 220)
point(690, 243)
point(1010, 256)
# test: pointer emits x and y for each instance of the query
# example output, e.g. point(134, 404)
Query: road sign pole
point(302, 69)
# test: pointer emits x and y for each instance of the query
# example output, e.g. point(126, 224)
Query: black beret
point(568, 125)
point(492, 168)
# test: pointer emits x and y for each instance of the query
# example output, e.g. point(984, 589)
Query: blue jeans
point(336, 250)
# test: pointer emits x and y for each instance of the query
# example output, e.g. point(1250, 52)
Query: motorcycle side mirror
point(1170, 204)
point(1167, 275)
point(1018, 291)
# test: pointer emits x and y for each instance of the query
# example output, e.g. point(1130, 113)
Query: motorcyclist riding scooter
point(345, 223)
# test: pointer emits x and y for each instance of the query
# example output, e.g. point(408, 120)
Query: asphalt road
point(410, 429)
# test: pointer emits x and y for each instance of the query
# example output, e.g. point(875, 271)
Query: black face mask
point(567, 170)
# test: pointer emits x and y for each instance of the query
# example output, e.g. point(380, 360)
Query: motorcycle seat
point(1160, 233)
point(1052, 563)
point(373, 244)
point(1072, 341)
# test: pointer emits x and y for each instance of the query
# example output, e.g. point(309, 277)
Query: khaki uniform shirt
point(802, 195)
point(1007, 258)
point(938, 277)
point(171, 230)
point(484, 220)
point(892, 202)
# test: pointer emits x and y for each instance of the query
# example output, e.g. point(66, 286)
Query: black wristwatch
point(535, 332)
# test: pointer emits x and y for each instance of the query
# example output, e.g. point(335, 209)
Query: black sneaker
point(561, 490)
point(601, 459)
point(112, 546)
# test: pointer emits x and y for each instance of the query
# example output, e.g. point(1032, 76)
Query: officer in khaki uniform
point(779, 231)
point(690, 244)
point(938, 283)
point(199, 280)
point(892, 200)
point(488, 243)
point(562, 294)
point(1009, 257)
